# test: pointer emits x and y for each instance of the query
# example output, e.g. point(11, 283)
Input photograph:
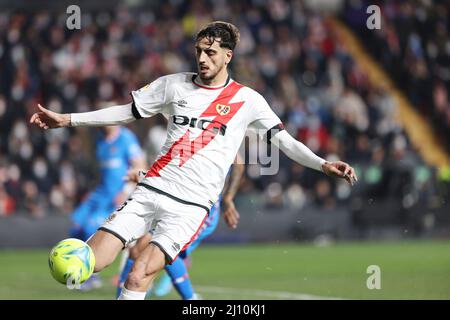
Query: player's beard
point(206, 79)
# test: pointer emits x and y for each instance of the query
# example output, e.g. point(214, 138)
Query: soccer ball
point(71, 261)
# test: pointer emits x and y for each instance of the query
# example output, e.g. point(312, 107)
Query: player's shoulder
point(251, 94)
point(167, 80)
point(180, 77)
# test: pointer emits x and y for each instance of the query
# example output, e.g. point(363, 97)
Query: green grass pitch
point(409, 270)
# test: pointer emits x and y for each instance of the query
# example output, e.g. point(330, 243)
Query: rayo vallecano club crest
point(223, 109)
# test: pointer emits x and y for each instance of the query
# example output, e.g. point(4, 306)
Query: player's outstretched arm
point(300, 153)
point(115, 115)
point(47, 119)
point(340, 169)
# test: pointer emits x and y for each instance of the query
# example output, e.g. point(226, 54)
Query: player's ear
point(229, 56)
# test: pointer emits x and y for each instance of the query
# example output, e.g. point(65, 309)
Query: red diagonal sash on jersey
point(186, 148)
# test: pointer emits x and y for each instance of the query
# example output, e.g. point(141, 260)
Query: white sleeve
point(297, 151)
point(115, 115)
point(264, 117)
point(150, 99)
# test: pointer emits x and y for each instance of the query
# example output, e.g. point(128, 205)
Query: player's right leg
point(106, 247)
point(178, 271)
point(176, 275)
point(134, 253)
point(125, 225)
point(149, 263)
point(207, 229)
point(175, 225)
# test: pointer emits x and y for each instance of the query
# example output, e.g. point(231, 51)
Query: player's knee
point(100, 263)
point(99, 266)
point(105, 247)
point(134, 252)
point(101, 260)
point(135, 279)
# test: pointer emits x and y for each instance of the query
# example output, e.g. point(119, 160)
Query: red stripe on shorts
point(193, 237)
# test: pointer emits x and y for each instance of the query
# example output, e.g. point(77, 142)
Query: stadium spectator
point(413, 46)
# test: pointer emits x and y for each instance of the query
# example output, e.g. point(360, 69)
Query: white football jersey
point(206, 127)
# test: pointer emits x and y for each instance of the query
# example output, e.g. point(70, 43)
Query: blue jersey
point(115, 157)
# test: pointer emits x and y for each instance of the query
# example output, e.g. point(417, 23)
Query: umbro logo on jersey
point(182, 103)
point(175, 246)
point(223, 109)
point(111, 217)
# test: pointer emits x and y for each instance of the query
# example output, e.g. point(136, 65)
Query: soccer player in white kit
point(208, 114)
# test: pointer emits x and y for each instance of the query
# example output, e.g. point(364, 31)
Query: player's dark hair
point(227, 32)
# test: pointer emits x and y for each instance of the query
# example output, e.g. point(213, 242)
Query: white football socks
point(131, 295)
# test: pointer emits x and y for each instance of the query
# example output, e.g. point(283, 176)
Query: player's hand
point(134, 175)
point(340, 169)
point(230, 213)
point(47, 119)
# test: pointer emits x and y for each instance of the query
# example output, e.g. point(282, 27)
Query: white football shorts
point(174, 223)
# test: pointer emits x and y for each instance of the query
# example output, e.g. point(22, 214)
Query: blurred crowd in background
point(414, 48)
point(287, 53)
